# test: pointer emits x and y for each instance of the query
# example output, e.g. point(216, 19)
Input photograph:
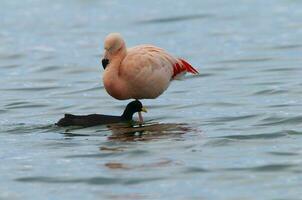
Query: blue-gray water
point(233, 132)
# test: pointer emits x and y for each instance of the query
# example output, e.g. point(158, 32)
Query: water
point(233, 132)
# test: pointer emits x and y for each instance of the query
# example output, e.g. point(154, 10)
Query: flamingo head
point(114, 45)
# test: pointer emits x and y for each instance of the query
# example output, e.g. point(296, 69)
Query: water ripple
point(176, 19)
point(9, 66)
point(285, 154)
point(286, 47)
point(281, 121)
point(246, 60)
point(3, 111)
point(96, 155)
point(80, 91)
point(41, 88)
point(220, 142)
point(123, 166)
point(90, 181)
point(270, 92)
point(12, 56)
point(255, 136)
point(193, 170)
point(282, 69)
point(49, 68)
point(232, 118)
point(18, 105)
point(264, 168)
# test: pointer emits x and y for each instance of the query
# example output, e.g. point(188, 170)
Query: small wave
point(264, 168)
point(193, 170)
point(285, 47)
point(18, 105)
point(270, 92)
point(12, 56)
point(282, 69)
point(49, 68)
point(245, 60)
point(282, 121)
point(32, 88)
point(176, 19)
point(89, 181)
point(255, 136)
point(232, 118)
point(94, 88)
point(284, 153)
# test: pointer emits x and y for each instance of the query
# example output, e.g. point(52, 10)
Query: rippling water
point(233, 132)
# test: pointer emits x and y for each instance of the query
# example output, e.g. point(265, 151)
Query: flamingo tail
point(181, 67)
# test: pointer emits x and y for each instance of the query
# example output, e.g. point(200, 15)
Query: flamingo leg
point(140, 116)
point(141, 120)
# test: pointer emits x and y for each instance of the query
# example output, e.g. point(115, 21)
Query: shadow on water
point(144, 166)
point(127, 132)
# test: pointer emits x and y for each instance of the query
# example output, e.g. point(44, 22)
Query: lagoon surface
point(232, 132)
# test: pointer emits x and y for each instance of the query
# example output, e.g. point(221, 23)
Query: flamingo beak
point(105, 62)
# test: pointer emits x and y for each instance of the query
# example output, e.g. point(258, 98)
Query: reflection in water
point(112, 149)
point(132, 132)
point(119, 165)
point(147, 131)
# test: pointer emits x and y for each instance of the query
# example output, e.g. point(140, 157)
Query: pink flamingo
point(140, 72)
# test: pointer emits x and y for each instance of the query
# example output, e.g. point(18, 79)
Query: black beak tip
point(105, 62)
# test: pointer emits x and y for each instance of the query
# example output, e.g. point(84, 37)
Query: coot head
point(133, 107)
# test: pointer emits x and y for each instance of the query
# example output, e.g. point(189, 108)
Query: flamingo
point(141, 72)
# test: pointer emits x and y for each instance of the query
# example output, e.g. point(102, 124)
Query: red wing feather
point(183, 66)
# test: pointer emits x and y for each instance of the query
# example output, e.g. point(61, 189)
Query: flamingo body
point(140, 72)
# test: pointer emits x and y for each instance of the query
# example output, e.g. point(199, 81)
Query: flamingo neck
point(116, 60)
point(112, 78)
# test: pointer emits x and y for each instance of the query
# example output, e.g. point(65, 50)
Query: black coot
point(96, 119)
